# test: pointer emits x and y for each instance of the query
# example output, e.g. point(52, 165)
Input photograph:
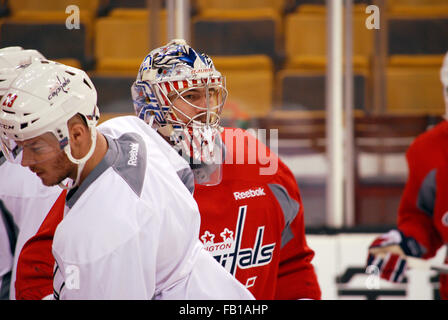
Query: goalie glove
point(388, 253)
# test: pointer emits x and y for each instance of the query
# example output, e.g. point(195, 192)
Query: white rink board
point(345, 256)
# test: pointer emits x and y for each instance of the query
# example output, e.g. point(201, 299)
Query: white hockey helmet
point(169, 73)
point(12, 60)
point(42, 99)
point(444, 79)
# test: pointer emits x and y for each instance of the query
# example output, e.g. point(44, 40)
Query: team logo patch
point(58, 87)
point(229, 253)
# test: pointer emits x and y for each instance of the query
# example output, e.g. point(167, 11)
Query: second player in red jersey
point(422, 224)
point(253, 224)
point(251, 211)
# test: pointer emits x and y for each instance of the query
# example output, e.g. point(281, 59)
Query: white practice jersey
point(25, 202)
point(130, 231)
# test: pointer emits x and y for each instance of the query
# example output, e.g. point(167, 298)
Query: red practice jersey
point(253, 222)
point(423, 212)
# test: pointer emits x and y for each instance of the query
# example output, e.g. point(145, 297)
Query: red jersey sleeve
point(296, 277)
point(416, 211)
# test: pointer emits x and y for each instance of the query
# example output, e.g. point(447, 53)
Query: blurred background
point(276, 55)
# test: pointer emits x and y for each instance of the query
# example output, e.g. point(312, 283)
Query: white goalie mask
point(179, 92)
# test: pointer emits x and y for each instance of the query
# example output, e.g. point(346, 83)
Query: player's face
point(46, 159)
point(193, 104)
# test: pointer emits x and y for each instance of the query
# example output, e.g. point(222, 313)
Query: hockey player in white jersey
point(24, 201)
point(130, 227)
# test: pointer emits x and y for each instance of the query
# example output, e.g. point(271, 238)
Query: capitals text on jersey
point(229, 252)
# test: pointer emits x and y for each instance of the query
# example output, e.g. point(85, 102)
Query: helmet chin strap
point(80, 162)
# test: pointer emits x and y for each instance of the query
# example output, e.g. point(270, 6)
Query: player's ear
point(79, 136)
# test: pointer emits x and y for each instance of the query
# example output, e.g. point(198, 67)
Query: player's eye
point(191, 96)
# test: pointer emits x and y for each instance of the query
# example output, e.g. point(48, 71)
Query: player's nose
point(27, 159)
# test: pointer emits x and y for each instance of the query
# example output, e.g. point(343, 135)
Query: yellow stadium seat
point(121, 43)
point(19, 6)
point(131, 13)
point(415, 8)
point(416, 60)
point(277, 5)
point(305, 36)
point(414, 88)
point(70, 62)
point(415, 2)
point(321, 8)
point(238, 32)
point(319, 62)
point(47, 32)
point(249, 81)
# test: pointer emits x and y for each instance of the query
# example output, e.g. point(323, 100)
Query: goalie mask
point(36, 108)
point(180, 93)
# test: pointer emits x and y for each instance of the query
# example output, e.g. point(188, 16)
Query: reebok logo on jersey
point(133, 153)
point(249, 194)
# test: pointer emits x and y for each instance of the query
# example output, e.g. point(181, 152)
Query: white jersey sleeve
point(116, 126)
point(131, 232)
